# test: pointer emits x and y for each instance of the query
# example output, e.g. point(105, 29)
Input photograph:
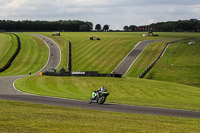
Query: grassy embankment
point(25, 117)
point(32, 57)
point(180, 64)
point(8, 47)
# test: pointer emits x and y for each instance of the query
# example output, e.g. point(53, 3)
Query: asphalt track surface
point(127, 62)
point(8, 92)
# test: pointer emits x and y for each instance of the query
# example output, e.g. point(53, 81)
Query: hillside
point(180, 64)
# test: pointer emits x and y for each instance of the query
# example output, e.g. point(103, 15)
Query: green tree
point(126, 28)
point(105, 27)
point(132, 27)
point(98, 27)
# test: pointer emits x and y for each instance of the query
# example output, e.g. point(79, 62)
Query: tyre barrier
point(161, 53)
point(7, 65)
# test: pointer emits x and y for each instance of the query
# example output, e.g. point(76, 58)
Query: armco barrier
point(161, 53)
point(6, 66)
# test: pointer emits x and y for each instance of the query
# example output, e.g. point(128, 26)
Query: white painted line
point(16, 88)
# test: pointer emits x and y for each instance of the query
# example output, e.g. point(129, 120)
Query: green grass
point(32, 56)
point(8, 46)
point(130, 91)
point(180, 64)
point(26, 117)
point(178, 35)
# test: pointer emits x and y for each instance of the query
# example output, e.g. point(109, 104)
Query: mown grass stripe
point(6, 44)
point(86, 50)
point(11, 53)
point(86, 58)
point(95, 54)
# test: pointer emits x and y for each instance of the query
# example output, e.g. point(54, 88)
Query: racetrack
point(8, 92)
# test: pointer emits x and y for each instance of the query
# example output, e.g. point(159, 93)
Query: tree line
point(61, 25)
point(192, 25)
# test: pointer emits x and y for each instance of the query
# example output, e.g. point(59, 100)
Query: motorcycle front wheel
point(90, 100)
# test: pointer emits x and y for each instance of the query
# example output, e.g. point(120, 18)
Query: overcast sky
point(116, 13)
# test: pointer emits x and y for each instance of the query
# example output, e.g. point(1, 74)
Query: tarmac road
point(104, 107)
point(127, 62)
point(8, 92)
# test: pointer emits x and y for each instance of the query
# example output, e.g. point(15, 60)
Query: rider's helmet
point(102, 88)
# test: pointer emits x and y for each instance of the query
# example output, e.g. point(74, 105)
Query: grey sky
point(116, 13)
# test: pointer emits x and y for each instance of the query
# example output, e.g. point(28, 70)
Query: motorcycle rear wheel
point(101, 99)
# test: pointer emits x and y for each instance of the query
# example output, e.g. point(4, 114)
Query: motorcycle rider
point(99, 91)
point(99, 96)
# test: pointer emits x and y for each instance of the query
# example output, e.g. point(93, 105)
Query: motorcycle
point(98, 99)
